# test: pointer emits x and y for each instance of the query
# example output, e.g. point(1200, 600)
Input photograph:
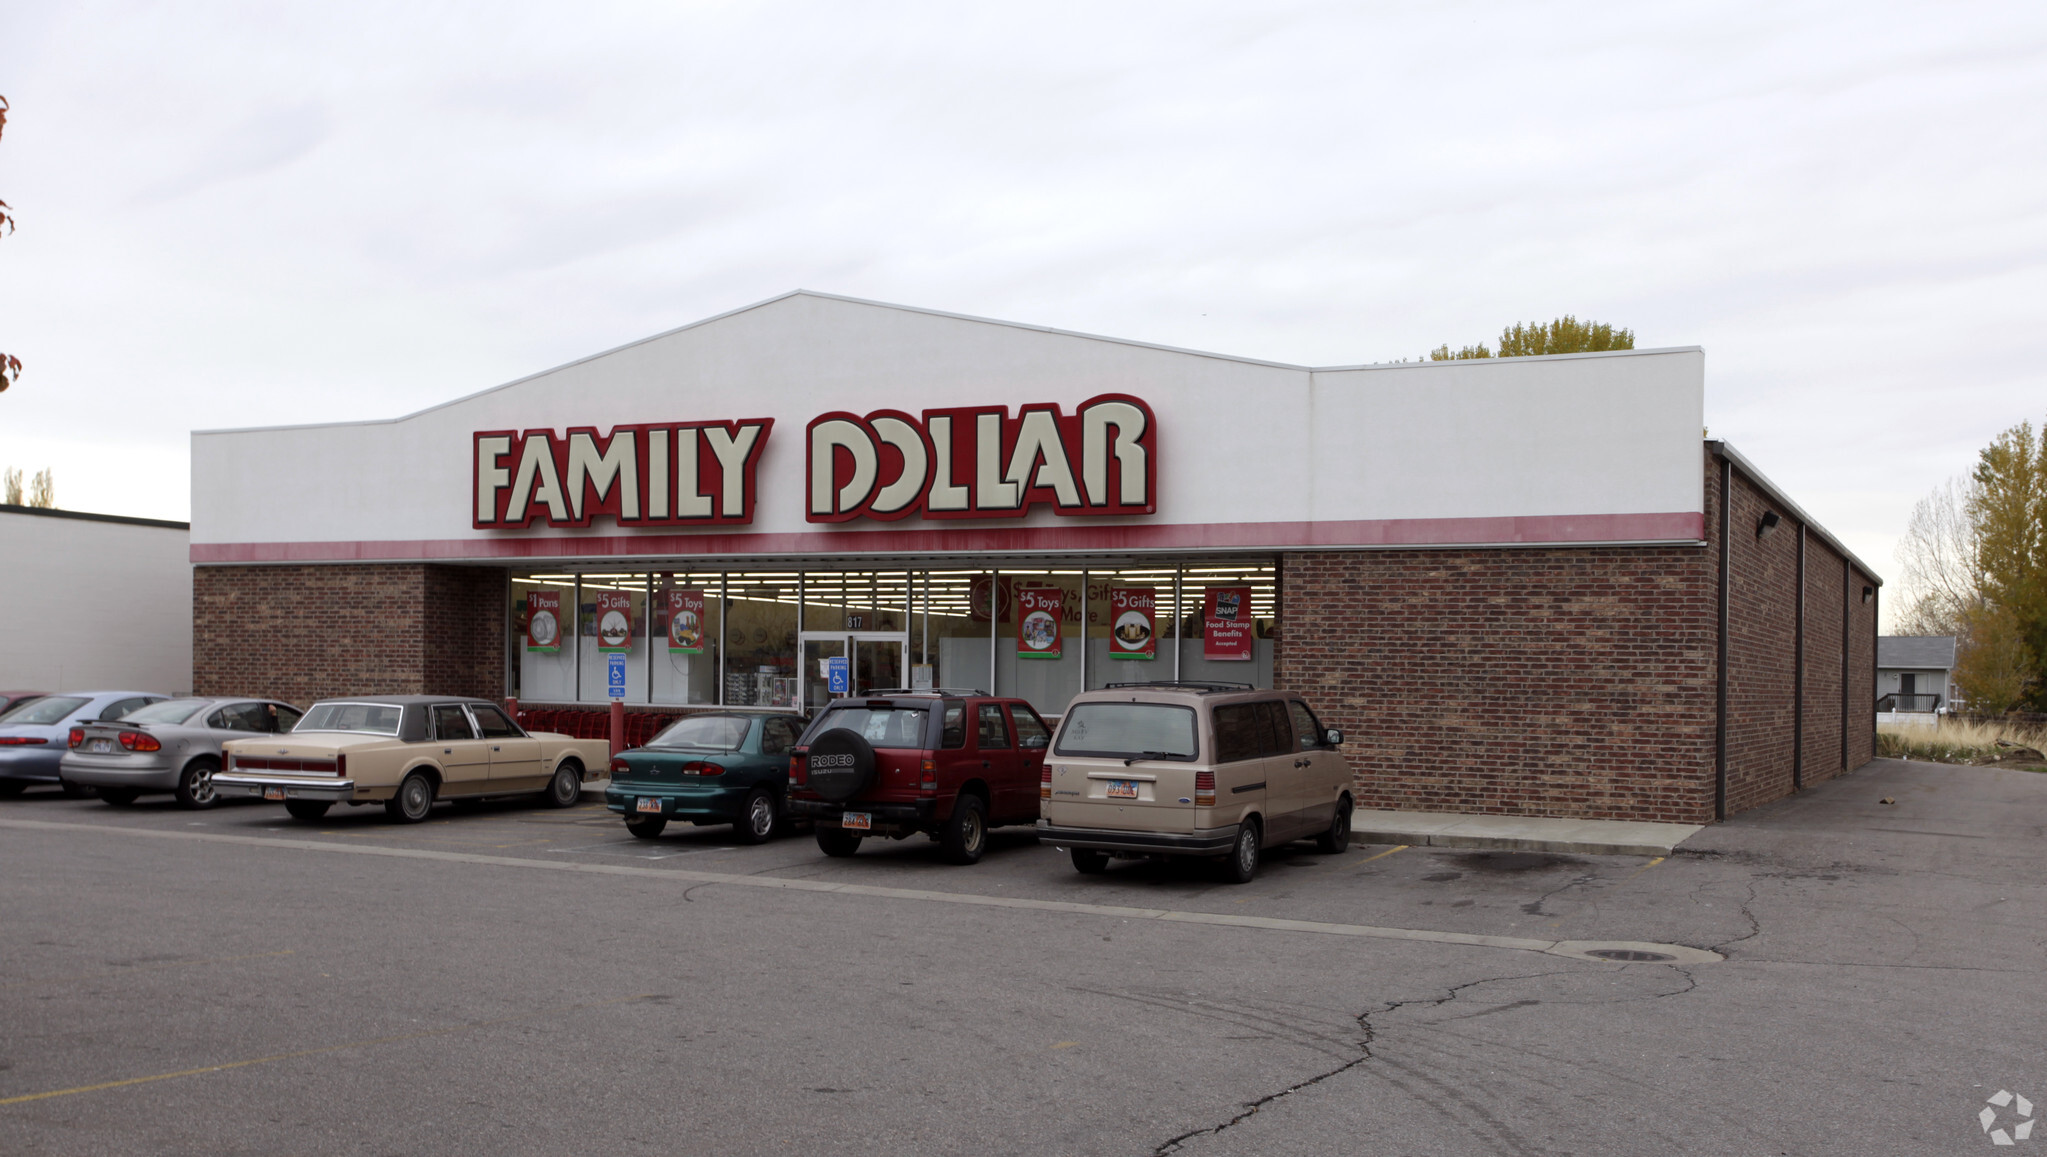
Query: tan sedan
point(405, 752)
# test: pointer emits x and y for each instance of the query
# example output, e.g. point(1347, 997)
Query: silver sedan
point(171, 746)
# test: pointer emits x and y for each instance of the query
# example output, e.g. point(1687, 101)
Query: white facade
point(1249, 455)
point(94, 603)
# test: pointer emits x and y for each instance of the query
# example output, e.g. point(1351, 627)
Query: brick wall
point(1824, 597)
point(301, 633)
point(1861, 670)
point(1762, 652)
point(1762, 601)
point(1573, 682)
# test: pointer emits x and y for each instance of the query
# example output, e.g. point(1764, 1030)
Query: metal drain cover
point(1630, 955)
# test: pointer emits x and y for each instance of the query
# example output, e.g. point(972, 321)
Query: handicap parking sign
point(616, 669)
point(838, 676)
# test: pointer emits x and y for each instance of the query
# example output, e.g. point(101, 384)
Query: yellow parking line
point(382, 1040)
point(1386, 853)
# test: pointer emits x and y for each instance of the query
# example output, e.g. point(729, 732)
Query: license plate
point(100, 745)
point(649, 804)
point(857, 821)
point(1122, 789)
point(273, 793)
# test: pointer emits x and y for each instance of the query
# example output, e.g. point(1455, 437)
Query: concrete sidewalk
point(1518, 833)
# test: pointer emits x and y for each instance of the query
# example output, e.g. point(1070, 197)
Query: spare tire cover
point(840, 764)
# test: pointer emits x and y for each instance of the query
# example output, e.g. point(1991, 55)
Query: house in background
point(1915, 675)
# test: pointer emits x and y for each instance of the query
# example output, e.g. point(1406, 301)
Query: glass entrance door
point(874, 661)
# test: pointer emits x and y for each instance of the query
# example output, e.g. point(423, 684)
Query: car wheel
point(757, 819)
point(566, 788)
point(414, 799)
point(1089, 862)
point(1337, 838)
point(1243, 859)
point(306, 809)
point(118, 796)
point(965, 835)
point(837, 841)
point(646, 827)
point(76, 790)
point(195, 784)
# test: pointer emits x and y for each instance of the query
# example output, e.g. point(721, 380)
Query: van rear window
point(1128, 730)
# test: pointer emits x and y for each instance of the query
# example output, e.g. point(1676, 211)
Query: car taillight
point(930, 780)
point(140, 741)
point(340, 765)
point(22, 741)
point(1045, 782)
point(77, 736)
point(798, 768)
point(619, 766)
point(1204, 789)
point(698, 767)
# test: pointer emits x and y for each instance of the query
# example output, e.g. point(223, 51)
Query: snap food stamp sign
point(965, 462)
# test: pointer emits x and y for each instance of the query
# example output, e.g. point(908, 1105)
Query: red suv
point(950, 764)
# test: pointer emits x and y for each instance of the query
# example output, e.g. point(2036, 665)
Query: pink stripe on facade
point(1532, 530)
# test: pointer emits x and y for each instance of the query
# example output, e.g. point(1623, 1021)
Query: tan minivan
point(1191, 769)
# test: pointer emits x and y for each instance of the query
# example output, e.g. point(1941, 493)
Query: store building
point(94, 601)
point(1508, 581)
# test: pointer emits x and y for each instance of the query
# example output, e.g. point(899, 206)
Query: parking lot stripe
point(1384, 854)
point(360, 1044)
point(1575, 949)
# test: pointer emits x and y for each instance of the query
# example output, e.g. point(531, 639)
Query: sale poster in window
point(1133, 623)
point(686, 621)
point(1227, 629)
point(614, 621)
point(544, 621)
point(1039, 611)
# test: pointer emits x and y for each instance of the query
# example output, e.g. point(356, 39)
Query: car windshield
point(374, 718)
point(891, 726)
point(717, 732)
point(1128, 730)
point(50, 710)
point(168, 711)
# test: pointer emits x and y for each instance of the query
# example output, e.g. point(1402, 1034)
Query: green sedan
point(724, 767)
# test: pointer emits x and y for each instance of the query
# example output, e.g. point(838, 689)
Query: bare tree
point(1938, 554)
point(10, 486)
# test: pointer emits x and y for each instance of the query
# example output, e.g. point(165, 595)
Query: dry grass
point(1962, 742)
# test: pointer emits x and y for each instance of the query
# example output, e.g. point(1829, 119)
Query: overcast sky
point(238, 215)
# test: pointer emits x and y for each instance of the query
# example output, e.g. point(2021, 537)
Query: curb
point(1508, 843)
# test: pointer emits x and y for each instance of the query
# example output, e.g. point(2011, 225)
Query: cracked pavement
point(1882, 978)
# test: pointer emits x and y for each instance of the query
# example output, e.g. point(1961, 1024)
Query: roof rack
point(1189, 684)
point(920, 691)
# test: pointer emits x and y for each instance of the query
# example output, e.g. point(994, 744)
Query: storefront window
point(1229, 617)
point(1037, 650)
point(612, 620)
point(760, 637)
point(543, 637)
point(955, 639)
point(687, 630)
point(1039, 633)
point(1131, 625)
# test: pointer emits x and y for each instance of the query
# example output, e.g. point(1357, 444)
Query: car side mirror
point(1332, 737)
point(1035, 742)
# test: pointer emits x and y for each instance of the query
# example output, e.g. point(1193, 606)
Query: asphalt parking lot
point(519, 980)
